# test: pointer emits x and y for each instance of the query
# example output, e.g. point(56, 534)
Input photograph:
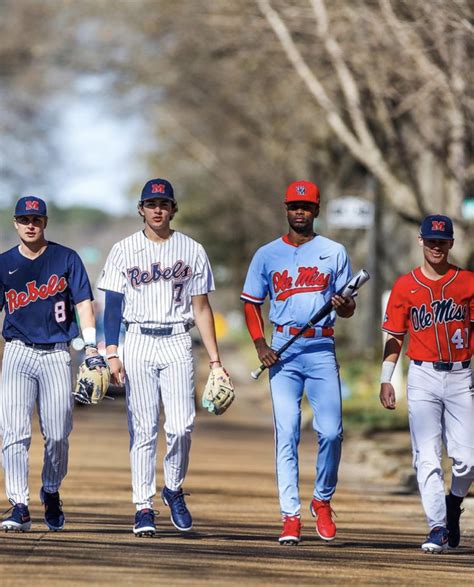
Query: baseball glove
point(219, 392)
point(92, 380)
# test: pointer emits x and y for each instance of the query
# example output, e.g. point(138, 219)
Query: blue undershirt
point(112, 316)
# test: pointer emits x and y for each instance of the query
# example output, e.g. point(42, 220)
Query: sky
point(100, 151)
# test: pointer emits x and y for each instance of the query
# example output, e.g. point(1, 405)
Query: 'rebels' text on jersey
point(39, 295)
point(158, 280)
point(437, 314)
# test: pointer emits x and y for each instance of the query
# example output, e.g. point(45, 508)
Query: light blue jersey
point(298, 280)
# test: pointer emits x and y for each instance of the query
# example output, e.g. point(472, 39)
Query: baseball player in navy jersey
point(434, 303)
point(300, 272)
point(157, 282)
point(41, 285)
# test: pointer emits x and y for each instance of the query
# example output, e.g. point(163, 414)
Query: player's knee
point(330, 437)
point(463, 464)
point(179, 432)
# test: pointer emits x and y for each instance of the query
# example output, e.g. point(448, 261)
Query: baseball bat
point(348, 290)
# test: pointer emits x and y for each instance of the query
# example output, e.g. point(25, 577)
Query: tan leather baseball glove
point(219, 392)
point(93, 380)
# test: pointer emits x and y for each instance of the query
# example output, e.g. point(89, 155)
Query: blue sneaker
point(53, 513)
point(180, 515)
point(144, 523)
point(436, 541)
point(19, 521)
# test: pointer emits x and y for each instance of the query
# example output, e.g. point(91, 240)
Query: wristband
point(212, 362)
point(89, 336)
point(112, 356)
point(388, 367)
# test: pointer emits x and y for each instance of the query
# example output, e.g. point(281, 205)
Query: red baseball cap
point(302, 191)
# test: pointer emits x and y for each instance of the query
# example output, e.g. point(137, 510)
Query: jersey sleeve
point(113, 277)
point(256, 283)
point(396, 315)
point(78, 280)
point(344, 269)
point(203, 279)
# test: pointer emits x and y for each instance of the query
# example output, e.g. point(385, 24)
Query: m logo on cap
point(31, 205)
point(158, 188)
point(301, 190)
point(438, 225)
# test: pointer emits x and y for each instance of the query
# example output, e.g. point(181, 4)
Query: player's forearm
point(392, 348)
point(204, 319)
point(86, 315)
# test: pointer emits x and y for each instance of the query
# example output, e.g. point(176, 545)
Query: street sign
point(350, 212)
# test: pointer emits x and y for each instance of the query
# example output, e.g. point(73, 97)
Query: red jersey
point(437, 314)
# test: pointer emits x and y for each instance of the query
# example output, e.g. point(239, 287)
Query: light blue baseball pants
point(310, 366)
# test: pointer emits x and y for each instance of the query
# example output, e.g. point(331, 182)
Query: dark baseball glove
point(219, 392)
point(93, 380)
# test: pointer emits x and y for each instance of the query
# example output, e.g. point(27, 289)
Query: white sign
point(350, 212)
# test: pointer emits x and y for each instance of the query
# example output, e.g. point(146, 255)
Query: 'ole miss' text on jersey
point(437, 314)
point(284, 271)
point(39, 295)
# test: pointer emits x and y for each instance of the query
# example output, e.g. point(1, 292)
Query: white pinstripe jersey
point(157, 279)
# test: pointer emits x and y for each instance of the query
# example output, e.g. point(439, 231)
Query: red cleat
point(323, 512)
point(291, 533)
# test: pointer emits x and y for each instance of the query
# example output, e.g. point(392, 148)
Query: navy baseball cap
point(437, 226)
point(30, 206)
point(157, 188)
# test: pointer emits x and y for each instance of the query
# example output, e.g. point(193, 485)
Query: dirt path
point(233, 501)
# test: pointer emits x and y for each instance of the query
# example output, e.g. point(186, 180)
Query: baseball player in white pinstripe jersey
point(156, 281)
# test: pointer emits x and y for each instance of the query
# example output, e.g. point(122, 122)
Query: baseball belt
point(168, 330)
point(315, 332)
point(40, 346)
point(445, 365)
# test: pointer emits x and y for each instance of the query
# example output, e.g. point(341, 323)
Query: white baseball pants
point(441, 410)
point(29, 377)
point(158, 368)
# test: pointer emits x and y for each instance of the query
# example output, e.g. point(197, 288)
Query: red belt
point(310, 333)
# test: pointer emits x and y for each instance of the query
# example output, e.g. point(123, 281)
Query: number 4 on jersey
point(458, 340)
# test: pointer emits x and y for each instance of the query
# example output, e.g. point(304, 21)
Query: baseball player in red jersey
point(435, 304)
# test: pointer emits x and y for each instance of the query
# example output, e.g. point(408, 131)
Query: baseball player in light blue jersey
point(300, 272)
point(41, 285)
point(156, 282)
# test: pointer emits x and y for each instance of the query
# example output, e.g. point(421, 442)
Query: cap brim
point(437, 237)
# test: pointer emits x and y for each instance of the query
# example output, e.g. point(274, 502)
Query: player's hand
point(117, 372)
point(387, 396)
point(91, 351)
point(344, 306)
point(267, 355)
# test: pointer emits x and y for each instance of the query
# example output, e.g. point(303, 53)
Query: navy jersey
point(39, 295)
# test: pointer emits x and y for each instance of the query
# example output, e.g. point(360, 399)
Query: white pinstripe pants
point(32, 376)
point(158, 368)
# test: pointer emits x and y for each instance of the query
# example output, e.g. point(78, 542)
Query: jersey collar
point(427, 281)
point(287, 241)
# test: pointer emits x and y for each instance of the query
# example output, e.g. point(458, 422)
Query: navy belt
point(163, 331)
point(46, 346)
point(445, 365)
point(157, 330)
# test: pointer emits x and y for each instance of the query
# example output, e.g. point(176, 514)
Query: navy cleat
point(437, 541)
point(453, 513)
point(19, 521)
point(53, 512)
point(144, 523)
point(180, 515)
